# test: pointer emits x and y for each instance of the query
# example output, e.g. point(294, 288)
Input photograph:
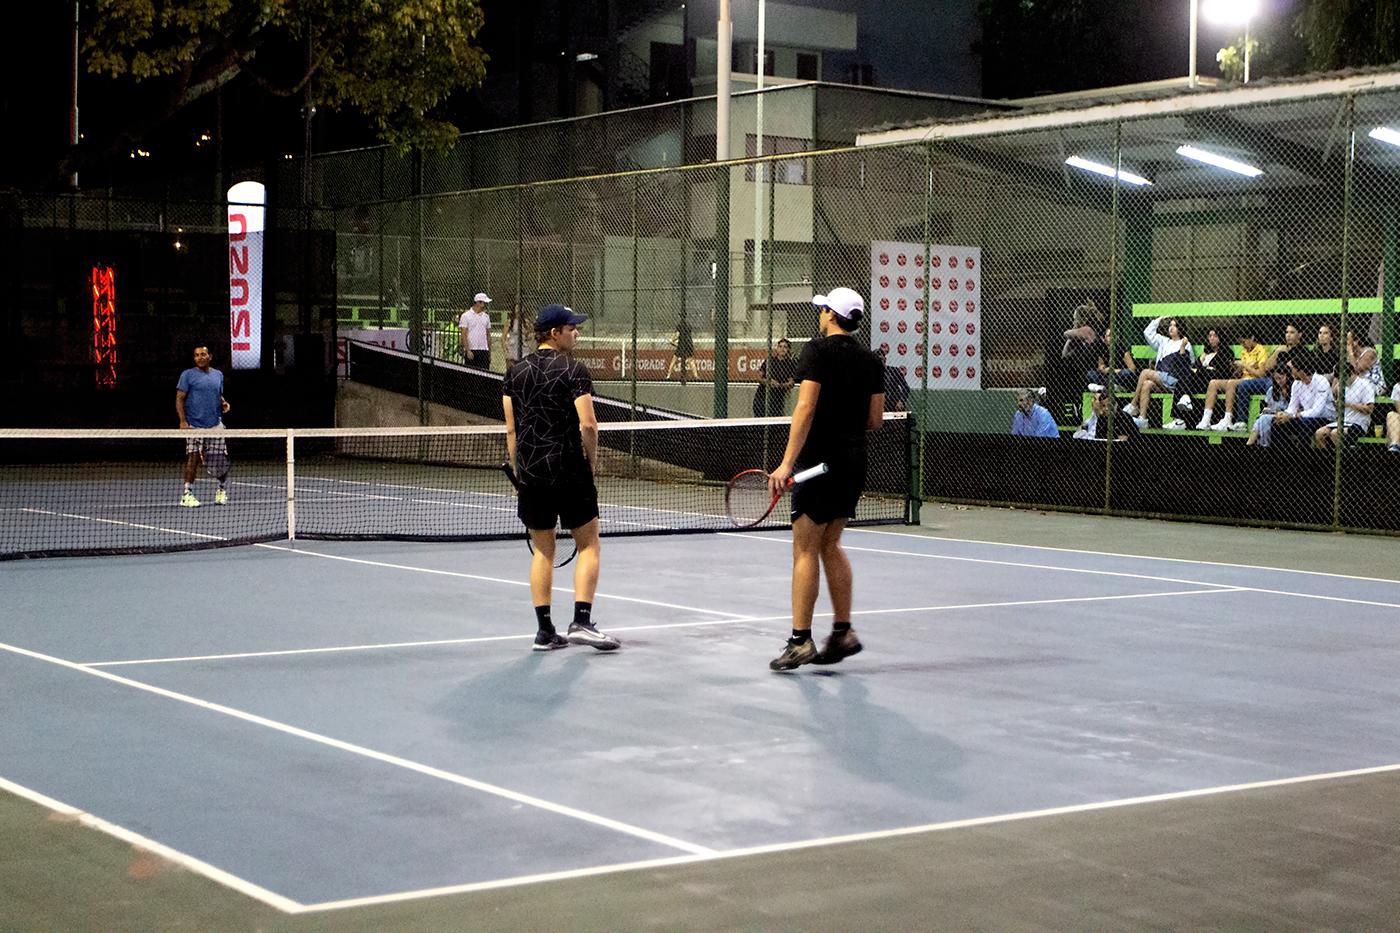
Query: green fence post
point(1348, 171)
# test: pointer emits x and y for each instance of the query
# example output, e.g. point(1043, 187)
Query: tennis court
point(1041, 733)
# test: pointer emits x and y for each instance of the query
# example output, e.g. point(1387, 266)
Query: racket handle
point(809, 473)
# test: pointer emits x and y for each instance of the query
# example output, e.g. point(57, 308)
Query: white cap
point(844, 301)
point(482, 297)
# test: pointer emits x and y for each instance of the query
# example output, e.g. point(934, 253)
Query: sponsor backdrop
point(952, 349)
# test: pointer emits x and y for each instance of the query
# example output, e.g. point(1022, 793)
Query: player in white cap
point(840, 397)
point(475, 328)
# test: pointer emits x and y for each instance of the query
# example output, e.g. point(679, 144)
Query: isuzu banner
point(245, 273)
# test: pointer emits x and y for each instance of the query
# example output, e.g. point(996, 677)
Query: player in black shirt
point(840, 397)
point(552, 440)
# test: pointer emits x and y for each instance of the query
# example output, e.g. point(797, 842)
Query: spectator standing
point(774, 380)
point(513, 342)
point(474, 326)
point(896, 387)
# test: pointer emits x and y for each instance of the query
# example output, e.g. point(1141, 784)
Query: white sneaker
point(1130, 410)
point(1224, 424)
point(1238, 426)
point(1176, 424)
point(1094, 387)
point(1140, 421)
point(189, 501)
point(1185, 403)
point(1204, 423)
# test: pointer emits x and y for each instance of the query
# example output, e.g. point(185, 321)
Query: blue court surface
point(330, 725)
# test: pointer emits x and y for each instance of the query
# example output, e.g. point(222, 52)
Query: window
point(808, 67)
point(783, 172)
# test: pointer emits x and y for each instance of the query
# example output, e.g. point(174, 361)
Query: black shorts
point(481, 359)
point(570, 503)
point(832, 495)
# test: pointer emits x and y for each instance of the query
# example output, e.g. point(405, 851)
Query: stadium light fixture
point(1385, 134)
point(1233, 13)
point(1098, 168)
point(1219, 161)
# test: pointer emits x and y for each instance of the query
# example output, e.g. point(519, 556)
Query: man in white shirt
point(475, 328)
point(1358, 402)
point(1309, 405)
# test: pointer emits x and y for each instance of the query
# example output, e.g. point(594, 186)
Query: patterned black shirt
point(542, 387)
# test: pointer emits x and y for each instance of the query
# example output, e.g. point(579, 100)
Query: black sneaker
point(585, 633)
point(838, 645)
point(548, 641)
point(795, 654)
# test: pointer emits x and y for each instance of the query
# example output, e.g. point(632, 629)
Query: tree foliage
point(1350, 33)
point(392, 61)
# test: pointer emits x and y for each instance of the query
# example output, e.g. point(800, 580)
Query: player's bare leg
point(582, 631)
point(807, 540)
point(840, 582)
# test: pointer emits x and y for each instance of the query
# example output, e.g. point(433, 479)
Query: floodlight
point(1219, 161)
point(1386, 135)
point(1098, 168)
point(1231, 12)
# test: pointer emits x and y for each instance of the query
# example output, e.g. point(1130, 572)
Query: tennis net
point(113, 492)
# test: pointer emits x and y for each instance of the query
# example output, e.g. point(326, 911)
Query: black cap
point(557, 316)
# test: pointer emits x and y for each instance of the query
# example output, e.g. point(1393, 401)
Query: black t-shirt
point(849, 375)
point(542, 387)
point(896, 388)
point(781, 371)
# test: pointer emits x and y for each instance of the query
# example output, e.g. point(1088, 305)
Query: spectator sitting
point(1257, 384)
point(1358, 400)
point(1366, 360)
point(1096, 428)
point(1309, 403)
point(1032, 419)
point(1216, 362)
point(1103, 375)
point(1325, 355)
point(1251, 365)
point(1275, 401)
point(1392, 424)
point(1172, 365)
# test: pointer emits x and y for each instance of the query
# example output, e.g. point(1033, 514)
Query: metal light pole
point(760, 170)
point(724, 39)
point(73, 106)
point(1195, 29)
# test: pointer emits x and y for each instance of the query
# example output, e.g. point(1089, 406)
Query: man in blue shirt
point(199, 402)
point(1031, 419)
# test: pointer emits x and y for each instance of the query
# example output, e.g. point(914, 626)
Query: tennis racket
point(747, 499)
point(565, 548)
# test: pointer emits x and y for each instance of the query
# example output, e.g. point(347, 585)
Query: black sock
point(542, 617)
point(801, 635)
point(840, 626)
point(583, 613)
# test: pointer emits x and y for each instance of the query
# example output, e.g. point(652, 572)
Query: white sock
point(187, 487)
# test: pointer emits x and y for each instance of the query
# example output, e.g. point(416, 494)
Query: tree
point(392, 61)
point(1349, 33)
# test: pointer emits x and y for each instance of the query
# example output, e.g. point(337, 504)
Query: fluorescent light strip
point(1219, 161)
point(1386, 135)
point(1098, 168)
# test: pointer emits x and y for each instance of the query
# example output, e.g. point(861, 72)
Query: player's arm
point(588, 429)
point(797, 435)
point(876, 417)
point(509, 408)
point(180, 408)
point(466, 342)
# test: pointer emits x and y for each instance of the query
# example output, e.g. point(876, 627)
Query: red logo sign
point(970, 285)
point(936, 305)
point(971, 350)
point(884, 281)
point(884, 348)
point(935, 283)
point(902, 326)
point(935, 328)
point(919, 261)
point(953, 327)
point(918, 327)
point(968, 262)
point(934, 262)
point(953, 372)
point(936, 372)
point(971, 328)
point(919, 281)
point(919, 304)
point(971, 372)
point(901, 281)
point(884, 327)
point(953, 284)
point(919, 371)
point(901, 259)
point(952, 262)
point(903, 348)
point(902, 304)
point(953, 306)
point(971, 307)
point(953, 350)
point(936, 349)
point(884, 304)
point(884, 259)
point(918, 349)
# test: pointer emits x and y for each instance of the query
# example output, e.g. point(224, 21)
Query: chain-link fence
point(1202, 300)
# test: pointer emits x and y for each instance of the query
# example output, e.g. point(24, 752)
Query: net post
point(291, 486)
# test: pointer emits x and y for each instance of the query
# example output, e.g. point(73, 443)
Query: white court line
point(1101, 573)
point(333, 649)
point(1178, 560)
point(184, 860)
point(363, 752)
point(113, 521)
point(923, 829)
point(474, 576)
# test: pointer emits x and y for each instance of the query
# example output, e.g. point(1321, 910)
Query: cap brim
point(576, 319)
point(819, 301)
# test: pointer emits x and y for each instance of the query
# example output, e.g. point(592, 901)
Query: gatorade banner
point(951, 351)
point(245, 273)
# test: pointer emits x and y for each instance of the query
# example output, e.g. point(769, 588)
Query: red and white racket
point(748, 500)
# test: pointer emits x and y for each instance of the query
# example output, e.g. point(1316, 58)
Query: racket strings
point(748, 499)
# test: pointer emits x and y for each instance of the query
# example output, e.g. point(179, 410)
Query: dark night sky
point(914, 44)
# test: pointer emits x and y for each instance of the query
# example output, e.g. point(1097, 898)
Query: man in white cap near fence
point(475, 328)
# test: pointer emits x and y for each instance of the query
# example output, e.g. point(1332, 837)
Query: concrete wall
point(362, 406)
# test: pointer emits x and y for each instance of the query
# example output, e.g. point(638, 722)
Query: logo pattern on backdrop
point(954, 311)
